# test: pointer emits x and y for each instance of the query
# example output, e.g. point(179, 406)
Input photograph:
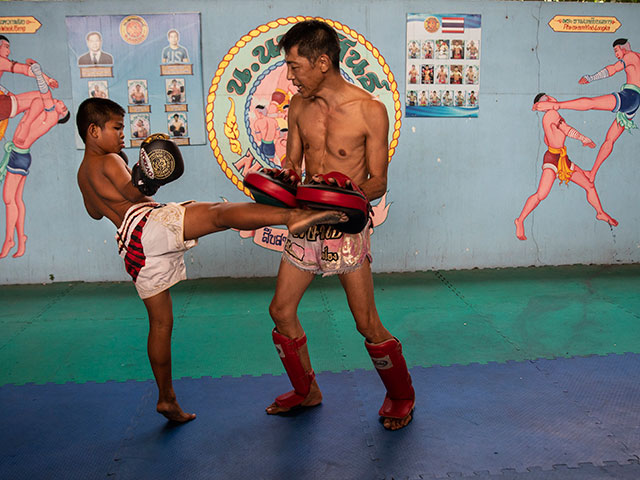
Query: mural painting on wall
point(442, 65)
point(247, 106)
point(623, 103)
point(150, 64)
point(40, 112)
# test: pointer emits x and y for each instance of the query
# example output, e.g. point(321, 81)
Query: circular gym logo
point(248, 101)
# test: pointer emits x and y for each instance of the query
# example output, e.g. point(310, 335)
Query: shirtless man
point(265, 130)
point(153, 237)
point(333, 126)
point(556, 163)
point(624, 103)
point(42, 114)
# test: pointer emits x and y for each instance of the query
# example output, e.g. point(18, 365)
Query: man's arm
point(294, 156)
point(606, 72)
point(569, 131)
point(376, 149)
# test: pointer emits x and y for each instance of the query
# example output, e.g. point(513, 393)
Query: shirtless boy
point(153, 237)
point(333, 126)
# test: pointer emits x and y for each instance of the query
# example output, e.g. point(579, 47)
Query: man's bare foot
point(519, 229)
point(8, 245)
point(22, 246)
point(607, 218)
point(397, 423)
point(300, 220)
point(173, 412)
point(314, 398)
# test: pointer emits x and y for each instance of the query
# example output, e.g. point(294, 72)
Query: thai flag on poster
point(452, 24)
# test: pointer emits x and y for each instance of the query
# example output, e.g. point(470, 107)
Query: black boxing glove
point(159, 163)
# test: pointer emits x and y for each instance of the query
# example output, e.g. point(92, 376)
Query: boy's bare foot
point(173, 412)
point(300, 220)
point(397, 423)
point(314, 398)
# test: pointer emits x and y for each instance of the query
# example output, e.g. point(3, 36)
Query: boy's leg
point(203, 218)
point(160, 310)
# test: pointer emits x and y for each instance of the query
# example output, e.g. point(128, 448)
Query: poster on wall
point(442, 65)
point(149, 64)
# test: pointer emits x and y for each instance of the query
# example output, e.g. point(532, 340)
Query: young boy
point(153, 237)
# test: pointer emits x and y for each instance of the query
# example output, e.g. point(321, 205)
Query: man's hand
point(587, 142)
point(583, 80)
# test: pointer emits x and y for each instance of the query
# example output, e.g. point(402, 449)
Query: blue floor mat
point(563, 419)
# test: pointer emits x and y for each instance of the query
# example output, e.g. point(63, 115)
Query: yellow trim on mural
point(263, 29)
point(231, 129)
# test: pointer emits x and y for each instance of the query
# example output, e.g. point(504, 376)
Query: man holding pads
point(334, 126)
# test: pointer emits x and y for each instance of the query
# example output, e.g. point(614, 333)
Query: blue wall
point(456, 185)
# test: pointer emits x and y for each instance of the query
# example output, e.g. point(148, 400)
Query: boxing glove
point(160, 162)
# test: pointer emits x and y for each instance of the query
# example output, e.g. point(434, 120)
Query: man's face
point(173, 38)
point(618, 51)
point(304, 74)
point(5, 49)
point(94, 43)
point(61, 108)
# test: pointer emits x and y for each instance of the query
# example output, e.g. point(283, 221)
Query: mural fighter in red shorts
point(556, 163)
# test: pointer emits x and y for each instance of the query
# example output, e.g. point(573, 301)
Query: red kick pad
point(332, 197)
point(271, 190)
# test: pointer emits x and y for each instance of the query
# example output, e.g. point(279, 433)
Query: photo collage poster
point(442, 65)
point(149, 64)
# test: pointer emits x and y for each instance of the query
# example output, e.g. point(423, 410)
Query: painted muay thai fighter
point(152, 237)
point(556, 163)
point(12, 104)
point(333, 126)
point(42, 114)
point(624, 103)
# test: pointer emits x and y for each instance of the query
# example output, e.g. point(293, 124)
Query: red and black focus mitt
point(336, 191)
point(273, 186)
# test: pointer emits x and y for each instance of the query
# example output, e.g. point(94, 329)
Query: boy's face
point(111, 137)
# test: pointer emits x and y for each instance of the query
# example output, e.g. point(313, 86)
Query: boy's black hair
point(98, 111)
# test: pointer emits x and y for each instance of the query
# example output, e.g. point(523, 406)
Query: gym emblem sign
point(248, 101)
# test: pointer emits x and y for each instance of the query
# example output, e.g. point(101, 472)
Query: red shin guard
point(389, 362)
point(289, 351)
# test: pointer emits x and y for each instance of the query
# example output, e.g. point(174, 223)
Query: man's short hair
point(2, 37)
point(313, 38)
point(621, 42)
point(97, 111)
point(538, 97)
point(90, 34)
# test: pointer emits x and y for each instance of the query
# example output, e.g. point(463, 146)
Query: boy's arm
point(119, 175)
